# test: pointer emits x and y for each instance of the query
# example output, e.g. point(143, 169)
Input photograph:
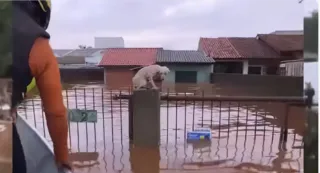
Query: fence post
point(286, 119)
point(130, 120)
point(144, 160)
point(145, 118)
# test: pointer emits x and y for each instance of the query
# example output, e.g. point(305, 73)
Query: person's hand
point(64, 166)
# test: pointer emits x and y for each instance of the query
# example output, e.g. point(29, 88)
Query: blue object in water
point(199, 134)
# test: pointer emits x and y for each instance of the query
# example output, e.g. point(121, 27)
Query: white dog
point(147, 74)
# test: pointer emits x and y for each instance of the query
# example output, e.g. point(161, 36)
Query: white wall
point(108, 42)
point(245, 67)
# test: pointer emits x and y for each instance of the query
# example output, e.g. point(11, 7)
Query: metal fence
point(246, 131)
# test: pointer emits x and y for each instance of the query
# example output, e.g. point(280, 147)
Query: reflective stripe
point(31, 85)
point(43, 7)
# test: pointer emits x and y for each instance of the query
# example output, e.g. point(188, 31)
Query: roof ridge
point(233, 47)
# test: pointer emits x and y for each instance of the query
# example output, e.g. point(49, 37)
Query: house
point(61, 52)
point(79, 73)
point(289, 47)
point(186, 66)
point(292, 68)
point(71, 60)
point(288, 32)
point(84, 56)
point(120, 63)
point(260, 56)
point(306, 68)
point(240, 55)
point(80, 65)
point(297, 67)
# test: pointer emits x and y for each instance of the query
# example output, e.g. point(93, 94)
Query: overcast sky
point(172, 24)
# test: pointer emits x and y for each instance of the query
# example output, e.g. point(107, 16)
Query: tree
point(5, 37)
point(311, 32)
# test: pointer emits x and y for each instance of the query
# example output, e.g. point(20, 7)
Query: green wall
point(203, 71)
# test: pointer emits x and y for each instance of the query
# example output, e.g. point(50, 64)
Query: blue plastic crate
point(199, 134)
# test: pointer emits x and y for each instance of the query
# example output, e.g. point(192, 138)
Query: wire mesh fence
point(244, 134)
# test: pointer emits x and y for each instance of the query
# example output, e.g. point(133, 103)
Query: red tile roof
point(283, 42)
point(233, 47)
point(252, 48)
point(218, 48)
point(129, 57)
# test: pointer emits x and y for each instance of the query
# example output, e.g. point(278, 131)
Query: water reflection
point(245, 136)
point(84, 159)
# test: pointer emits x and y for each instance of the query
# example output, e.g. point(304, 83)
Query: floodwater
point(245, 137)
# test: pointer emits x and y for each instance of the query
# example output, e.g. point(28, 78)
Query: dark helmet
point(39, 10)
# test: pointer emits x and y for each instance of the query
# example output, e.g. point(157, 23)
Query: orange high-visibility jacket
point(44, 67)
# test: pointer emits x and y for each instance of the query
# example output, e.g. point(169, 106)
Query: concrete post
point(145, 160)
point(145, 118)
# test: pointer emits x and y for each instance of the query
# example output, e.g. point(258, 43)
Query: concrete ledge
point(39, 154)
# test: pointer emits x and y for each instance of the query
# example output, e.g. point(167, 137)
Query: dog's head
point(163, 71)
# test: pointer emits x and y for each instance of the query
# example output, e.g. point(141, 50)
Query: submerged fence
point(244, 129)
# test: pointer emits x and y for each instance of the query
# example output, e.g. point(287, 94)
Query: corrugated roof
point(182, 56)
point(129, 57)
point(283, 42)
point(71, 60)
point(61, 52)
point(84, 52)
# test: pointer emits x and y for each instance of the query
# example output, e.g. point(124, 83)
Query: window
point(256, 70)
point(186, 77)
point(228, 67)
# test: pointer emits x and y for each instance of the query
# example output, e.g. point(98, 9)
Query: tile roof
point(235, 47)
point(84, 52)
point(61, 52)
point(182, 56)
point(288, 32)
point(283, 42)
point(218, 48)
point(78, 66)
point(129, 57)
point(252, 48)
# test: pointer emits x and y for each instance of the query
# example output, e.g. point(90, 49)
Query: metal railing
point(241, 127)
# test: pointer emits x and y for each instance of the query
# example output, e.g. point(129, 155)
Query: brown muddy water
point(245, 136)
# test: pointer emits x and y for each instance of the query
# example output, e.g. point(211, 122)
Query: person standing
point(32, 58)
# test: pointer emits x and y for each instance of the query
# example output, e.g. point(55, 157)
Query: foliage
point(311, 142)
point(311, 33)
point(5, 36)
